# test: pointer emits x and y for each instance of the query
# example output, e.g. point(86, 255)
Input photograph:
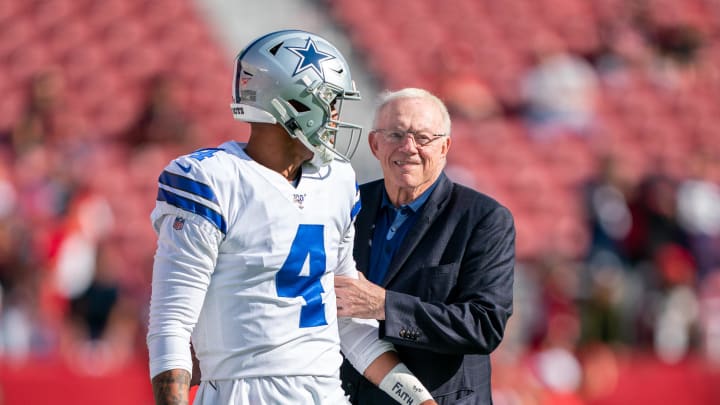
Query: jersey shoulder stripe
point(355, 210)
point(193, 206)
point(186, 184)
point(356, 207)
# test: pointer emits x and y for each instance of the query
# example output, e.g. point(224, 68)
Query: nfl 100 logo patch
point(179, 223)
point(299, 199)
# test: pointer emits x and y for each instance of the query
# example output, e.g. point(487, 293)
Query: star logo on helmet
point(310, 58)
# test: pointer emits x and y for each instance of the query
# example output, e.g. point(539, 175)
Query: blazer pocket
point(441, 281)
point(458, 398)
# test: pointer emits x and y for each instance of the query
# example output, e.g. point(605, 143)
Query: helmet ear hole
point(298, 106)
point(275, 48)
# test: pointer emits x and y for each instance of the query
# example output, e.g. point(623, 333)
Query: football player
point(250, 236)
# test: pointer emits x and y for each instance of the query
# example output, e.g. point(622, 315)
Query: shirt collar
point(414, 205)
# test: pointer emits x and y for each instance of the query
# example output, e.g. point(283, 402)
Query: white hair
point(413, 92)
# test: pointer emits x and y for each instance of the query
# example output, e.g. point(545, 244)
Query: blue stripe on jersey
point(194, 207)
point(356, 207)
point(355, 210)
point(186, 184)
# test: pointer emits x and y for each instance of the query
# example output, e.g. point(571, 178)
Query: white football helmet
point(298, 80)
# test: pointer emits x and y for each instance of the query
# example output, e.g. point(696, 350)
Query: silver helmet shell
point(298, 80)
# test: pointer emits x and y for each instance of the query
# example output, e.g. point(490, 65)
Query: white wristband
point(404, 387)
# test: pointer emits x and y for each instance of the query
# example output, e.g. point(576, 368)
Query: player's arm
point(171, 387)
point(184, 262)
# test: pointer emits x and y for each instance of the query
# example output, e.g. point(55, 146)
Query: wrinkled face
point(409, 168)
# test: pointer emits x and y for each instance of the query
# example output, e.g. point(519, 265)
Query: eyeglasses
point(397, 136)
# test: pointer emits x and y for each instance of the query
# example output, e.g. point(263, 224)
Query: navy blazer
point(449, 292)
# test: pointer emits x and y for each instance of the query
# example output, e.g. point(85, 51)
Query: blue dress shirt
point(391, 226)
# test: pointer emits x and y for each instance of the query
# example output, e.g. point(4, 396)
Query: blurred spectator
point(24, 328)
point(658, 250)
point(91, 309)
point(678, 43)
point(654, 219)
point(560, 373)
point(161, 120)
point(559, 91)
point(559, 283)
point(698, 202)
point(74, 263)
point(676, 48)
point(625, 57)
point(605, 289)
point(40, 120)
point(606, 209)
point(466, 96)
point(676, 322)
point(610, 291)
point(103, 320)
point(554, 362)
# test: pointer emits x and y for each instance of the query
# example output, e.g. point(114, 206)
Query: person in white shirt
point(250, 236)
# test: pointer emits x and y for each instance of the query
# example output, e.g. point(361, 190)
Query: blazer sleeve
point(472, 319)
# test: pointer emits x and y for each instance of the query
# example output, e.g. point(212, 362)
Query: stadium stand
point(615, 289)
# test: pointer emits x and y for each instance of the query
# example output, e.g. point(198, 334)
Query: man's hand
point(359, 298)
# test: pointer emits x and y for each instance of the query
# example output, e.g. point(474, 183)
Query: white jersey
point(245, 264)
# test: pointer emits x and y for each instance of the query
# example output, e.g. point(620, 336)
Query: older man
point(439, 258)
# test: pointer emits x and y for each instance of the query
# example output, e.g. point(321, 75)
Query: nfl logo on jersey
point(299, 199)
point(179, 223)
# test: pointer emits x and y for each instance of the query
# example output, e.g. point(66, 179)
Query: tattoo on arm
point(171, 387)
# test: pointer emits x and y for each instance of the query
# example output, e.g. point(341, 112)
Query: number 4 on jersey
point(309, 241)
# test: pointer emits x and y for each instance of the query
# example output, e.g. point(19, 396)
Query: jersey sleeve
point(359, 342)
point(346, 262)
point(189, 226)
point(359, 339)
point(184, 262)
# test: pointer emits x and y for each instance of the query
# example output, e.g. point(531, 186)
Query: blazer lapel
point(429, 212)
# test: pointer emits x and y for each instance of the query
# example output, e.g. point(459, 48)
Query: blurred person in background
point(655, 224)
point(40, 121)
point(559, 91)
point(161, 121)
point(439, 258)
point(698, 205)
point(468, 97)
point(250, 236)
point(103, 325)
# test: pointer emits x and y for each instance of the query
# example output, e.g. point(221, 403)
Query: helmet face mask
point(298, 80)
